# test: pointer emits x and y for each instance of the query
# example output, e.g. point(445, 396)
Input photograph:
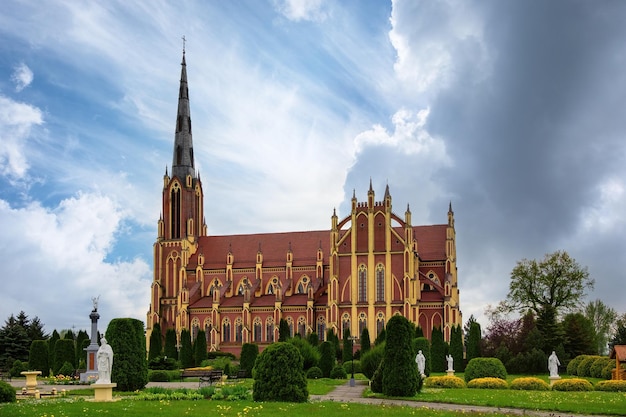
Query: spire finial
point(184, 41)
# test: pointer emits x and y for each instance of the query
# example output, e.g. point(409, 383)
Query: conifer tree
point(156, 343)
point(473, 347)
point(200, 348)
point(186, 352)
point(400, 376)
point(170, 344)
point(365, 341)
point(437, 351)
point(347, 346)
point(284, 333)
point(456, 348)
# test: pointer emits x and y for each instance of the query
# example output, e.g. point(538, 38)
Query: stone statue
point(553, 365)
point(94, 300)
point(420, 359)
point(450, 361)
point(105, 362)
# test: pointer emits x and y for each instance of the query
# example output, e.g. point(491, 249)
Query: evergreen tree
point(68, 334)
point(421, 343)
point(170, 344)
point(437, 351)
point(334, 339)
point(313, 339)
point(279, 375)
point(284, 333)
point(365, 341)
point(186, 352)
point(80, 344)
point(64, 351)
point(51, 347)
point(327, 358)
point(419, 332)
point(14, 342)
point(200, 347)
point(473, 344)
point(400, 376)
point(249, 353)
point(456, 348)
point(38, 357)
point(580, 335)
point(619, 335)
point(382, 336)
point(130, 367)
point(36, 330)
point(549, 328)
point(347, 346)
point(156, 343)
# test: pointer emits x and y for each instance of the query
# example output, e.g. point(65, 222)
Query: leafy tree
point(249, 353)
point(456, 347)
point(64, 351)
point(619, 335)
point(170, 344)
point(327, 358)
point(130, 367)
point(602, 317)
point(200, 347)
point(400, 377)
point(502, 335)
point(284, 333)
point(580, 335)
point(156, 342)
point(186, 352)
point(473, 343)
point(347, 346)
point(437, 351)
point(38, 356)
point(279, 375)
point(557, 282)
point(365, 341)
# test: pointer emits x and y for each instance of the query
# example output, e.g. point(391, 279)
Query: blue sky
point(511, 110)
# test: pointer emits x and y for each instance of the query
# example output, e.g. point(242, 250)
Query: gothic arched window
point(362, 284)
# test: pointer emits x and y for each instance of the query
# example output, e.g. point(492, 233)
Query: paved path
point(347, 393)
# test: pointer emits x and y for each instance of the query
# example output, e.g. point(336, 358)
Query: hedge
point(572, 384)
point(613, 386)
point(444, 382)
point(530, 384)
point(488, 383)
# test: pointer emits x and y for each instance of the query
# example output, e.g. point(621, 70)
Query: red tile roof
point(620, 351)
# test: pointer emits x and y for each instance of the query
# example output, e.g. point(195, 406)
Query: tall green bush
point(156, 342)
point(473, 348)
point(366, 343)
point(51, 350)
point(437, 351)
point(347, 346)
point(400, 376)
point(310, 355)
point(456, 348)
point(186, 350)
point(81, 355)
point(327, 358)
point(279, 375)
point(38, 357)
point(200, 347)
point(64, 352)
point(249, 353)
point(371, 360)
point(485, 368)
point(423, 344)
point(170, 344)
point(284, 333)
point(127, 340)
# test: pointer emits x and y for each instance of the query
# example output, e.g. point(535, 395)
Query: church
point(367, 267)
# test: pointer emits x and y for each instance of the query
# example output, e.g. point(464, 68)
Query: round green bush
point(585, 366)
point(158, 376)
point(487, 383)
point(572, 384)
point(572, 366)
point(310, 355)
point(598, 365)
point(17, 368)
point(347, 366)
point(530, 384)
point(314, 373)
point(444, 382)
point(279, 374)
point(607, 371)
point(485, 368)
point(338, 372)
point(7, 393)
point(612, 386)
point(67, 369)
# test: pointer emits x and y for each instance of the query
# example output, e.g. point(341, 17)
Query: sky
point(509, 110)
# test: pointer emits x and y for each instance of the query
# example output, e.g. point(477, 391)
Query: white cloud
point(16, 122)
point(22, 77)
point(607, 212)
point(296, 10)
point(59, 262)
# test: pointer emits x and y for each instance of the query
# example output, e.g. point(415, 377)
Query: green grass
point(134, 408)
point(323, 385)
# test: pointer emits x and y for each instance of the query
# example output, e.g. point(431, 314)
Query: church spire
point(183, 163)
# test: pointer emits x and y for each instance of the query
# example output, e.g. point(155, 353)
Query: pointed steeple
point(183, 163)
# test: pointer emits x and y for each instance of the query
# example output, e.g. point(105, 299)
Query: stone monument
point(420, 359)
point(553, 367)
point(103, 388)
point(450, 370)
point(91, 374)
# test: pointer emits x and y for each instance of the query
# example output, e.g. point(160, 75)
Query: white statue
point(450, 361)
point(420, 359)
point(105, 362)
point(553, 365)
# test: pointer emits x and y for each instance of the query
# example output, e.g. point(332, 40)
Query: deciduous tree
point(602, 317)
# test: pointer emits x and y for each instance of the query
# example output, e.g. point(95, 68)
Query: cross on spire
point(184, 40)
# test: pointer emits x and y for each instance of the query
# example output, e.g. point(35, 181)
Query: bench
point(239, 375)
point(205, 377)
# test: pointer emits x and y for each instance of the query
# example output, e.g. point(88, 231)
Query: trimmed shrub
point(327, 358)
point(488, 383)
point(612, 386)
point(7, 393)
point(338, 373)
point(400, 376)
point(456, 348)
point(423, 344)
point(310, 355)
point(371, 360)
point(249, 353)
point(314, 373)
point(63, 352)
point(572, 366)
point(199, 347)
point(17, 368)
point(347, 366)
point(38, 357)
point(444, 382)
point(530, 384)
point(130, 367)
point(607, 371)
point(170, 344)
point(186, 349)
point(437, 351)
point(217, 355)
point(598, 365)
point(485, 368)
point(377, 379)
point(158, 376)
point(585, 366)
point(156, 342)
point(67, 369)
point(163, 363)
point(279, 375)
point(313, 339)
point(572, 384)
point(366, 343)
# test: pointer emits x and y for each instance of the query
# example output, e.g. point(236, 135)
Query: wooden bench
point(239, 375)
point(204, 377)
